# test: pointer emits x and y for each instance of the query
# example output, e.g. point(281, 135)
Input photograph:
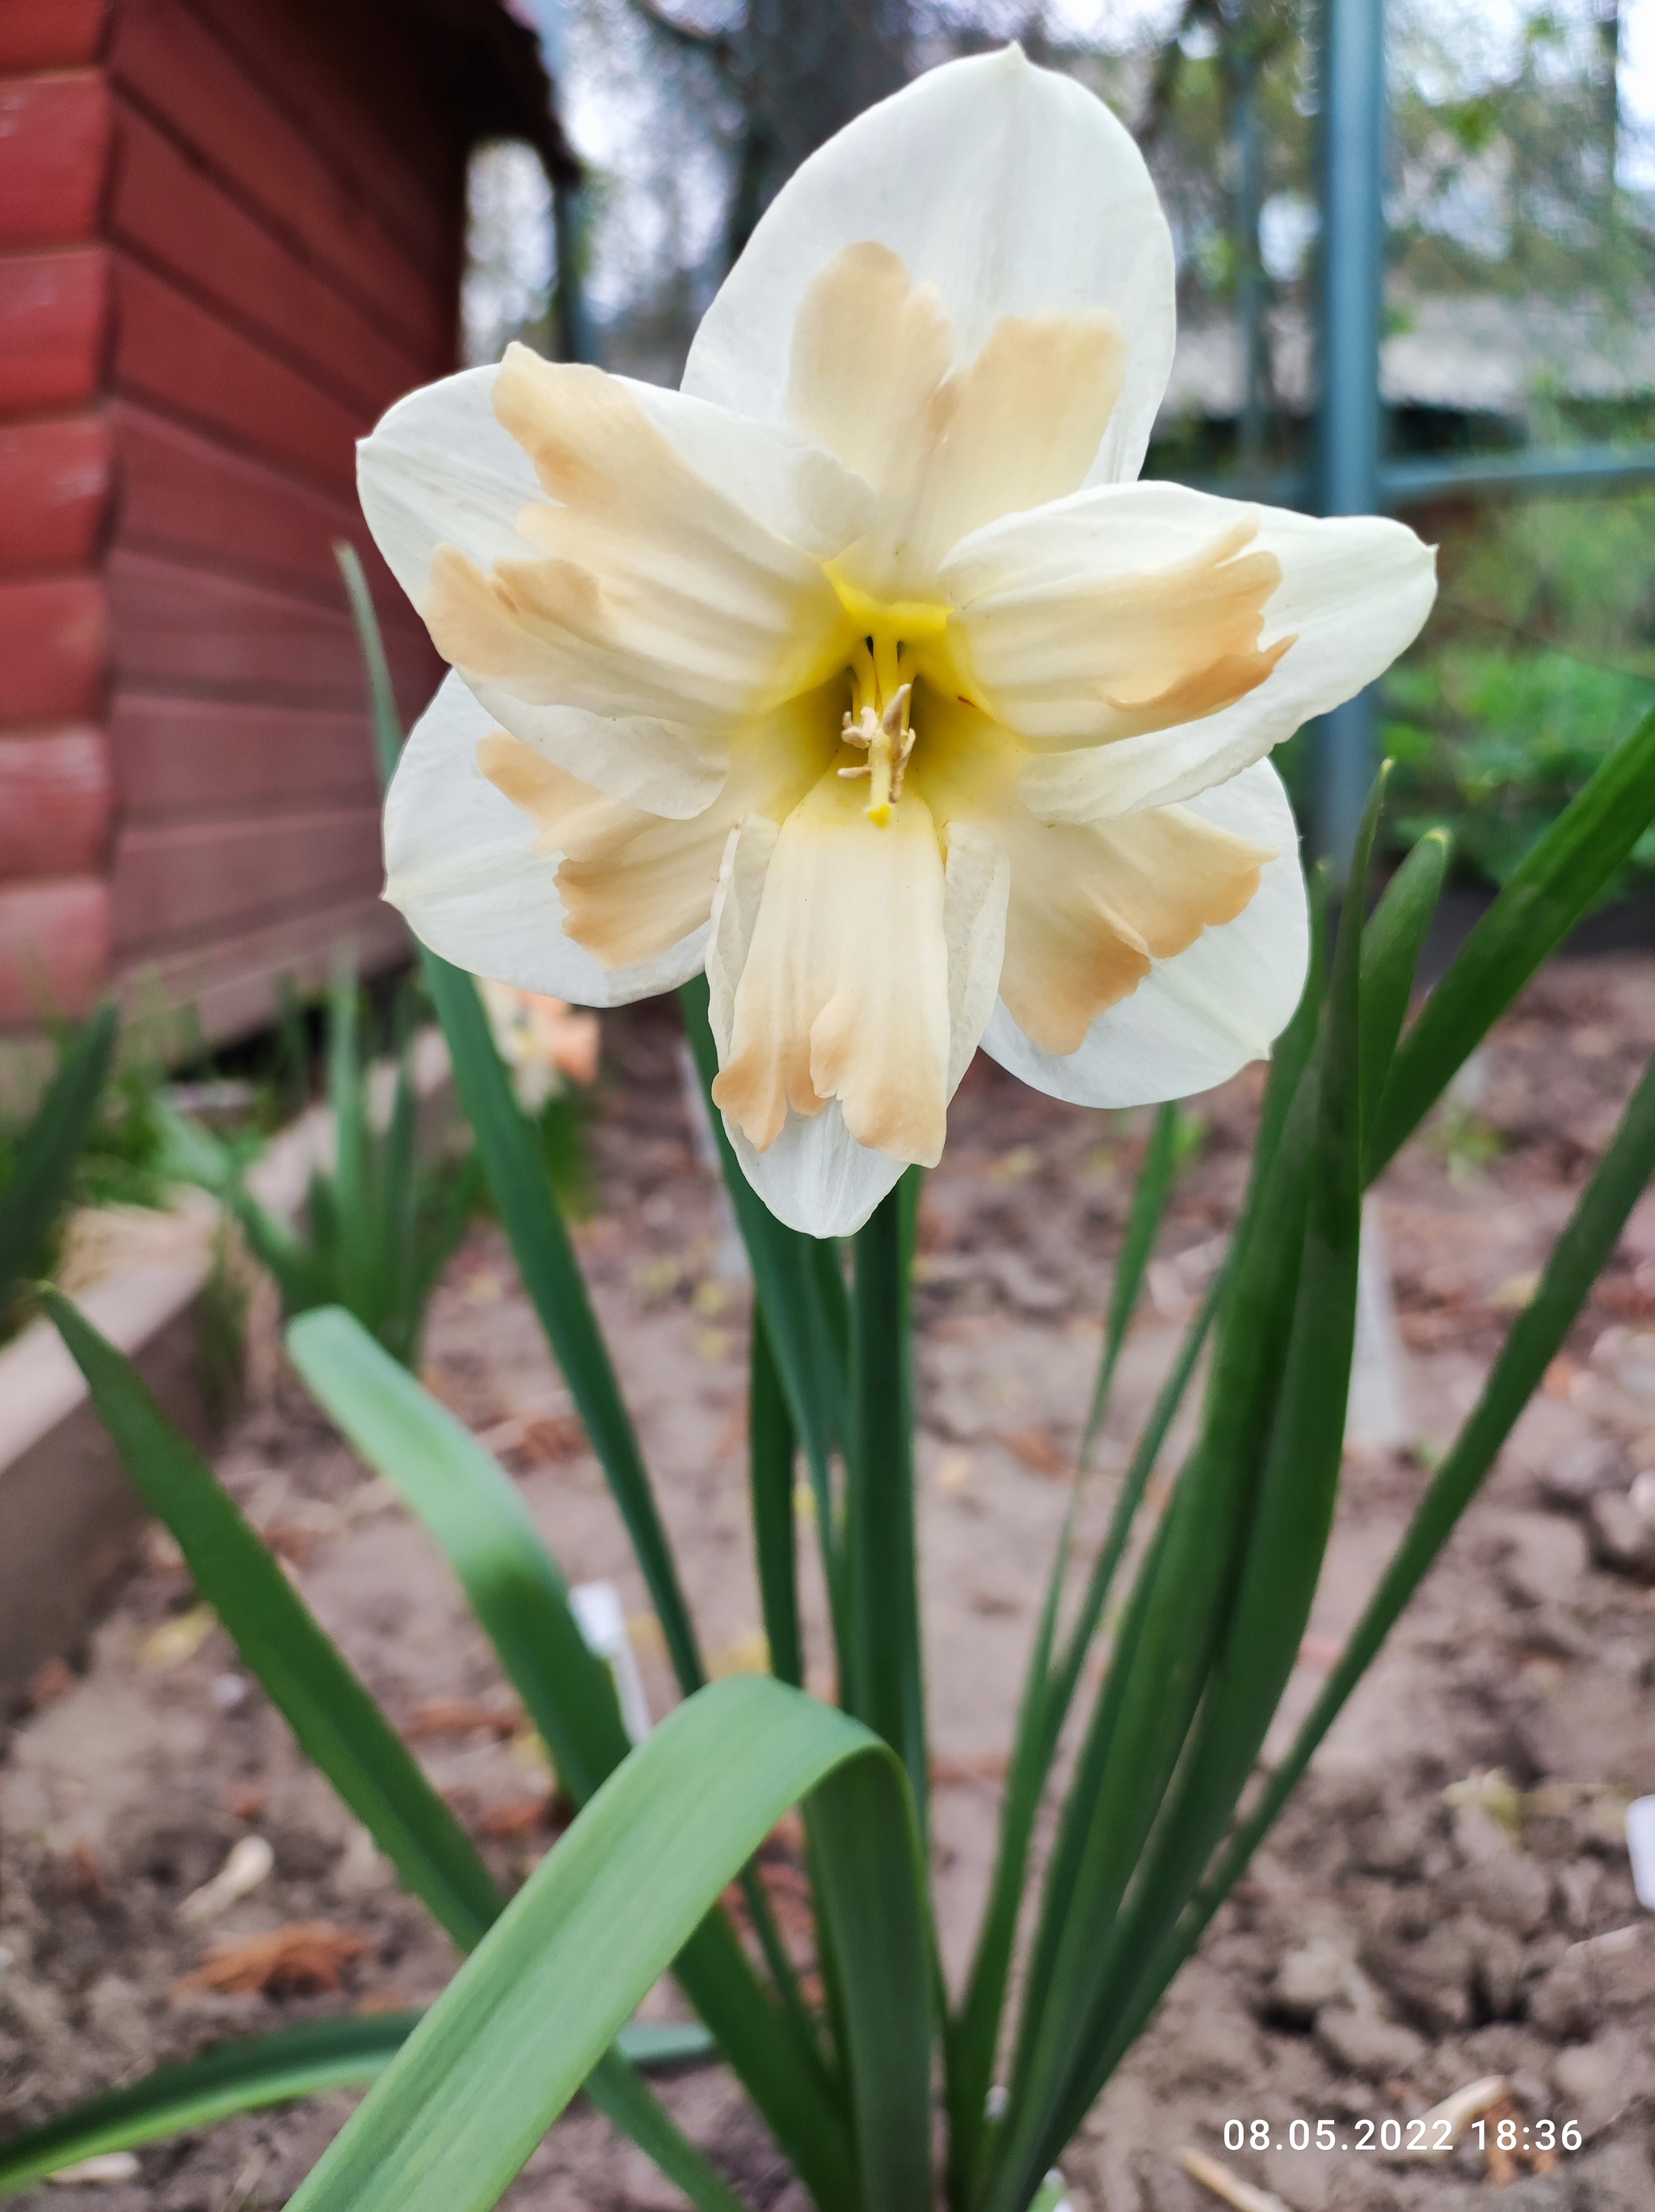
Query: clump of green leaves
point(41, 1164)
point(1495, 744)
point(379, 1225)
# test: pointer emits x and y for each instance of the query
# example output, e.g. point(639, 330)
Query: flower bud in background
point(545, 1043)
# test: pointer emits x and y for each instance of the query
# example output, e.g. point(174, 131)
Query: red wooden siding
point(183, 759)
point(56, 792)
point(266, 316)
point(54, 329)
point(54, 141)
point(167, 63)
point(54, 648)
point(46, 34)
point(56, 472)
point(55, 478)
point(54, 946)
point(231, 234)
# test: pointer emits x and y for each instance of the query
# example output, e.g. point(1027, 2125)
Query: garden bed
point(1447, 1898)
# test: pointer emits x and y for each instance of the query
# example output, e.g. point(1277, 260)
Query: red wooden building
point(231, 233)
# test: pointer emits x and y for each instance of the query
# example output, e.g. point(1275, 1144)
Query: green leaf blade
point(506, 2045)
point(1392, 944)
point(43, 1166)
point(236, 2077)
point(479, 1520)
point(884, 1681)
point(323, 1699)
point(770, 1471)
point(517, 1173)
point(1552, 889)
point(515, 1589)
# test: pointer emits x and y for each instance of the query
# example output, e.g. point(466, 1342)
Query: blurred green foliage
point(1539, 661)
point(383, 1218)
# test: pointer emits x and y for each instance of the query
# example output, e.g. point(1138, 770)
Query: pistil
point(889, 742)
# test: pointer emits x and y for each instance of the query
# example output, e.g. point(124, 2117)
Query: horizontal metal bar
point(1413, 483)
point(1604, 468)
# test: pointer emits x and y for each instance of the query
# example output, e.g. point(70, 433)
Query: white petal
point(1196, 1017)
point(816, 1177)
point(620, 579)
point(439, 468)
point(1011, 189)
point(1038, 592)
point(461, 864)
point(977, 885)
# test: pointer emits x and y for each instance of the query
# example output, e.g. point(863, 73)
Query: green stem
point(771, 1442)
point(884, 1683)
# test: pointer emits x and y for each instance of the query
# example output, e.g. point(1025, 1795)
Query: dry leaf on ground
point(304, 1959)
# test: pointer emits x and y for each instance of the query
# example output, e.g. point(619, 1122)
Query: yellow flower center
point(892, 635)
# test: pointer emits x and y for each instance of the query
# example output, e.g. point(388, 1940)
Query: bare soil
point(1448, 1895)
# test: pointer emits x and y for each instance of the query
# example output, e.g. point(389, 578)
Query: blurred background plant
point(381, 1220)
point(552, 1051)
point(41, 1162)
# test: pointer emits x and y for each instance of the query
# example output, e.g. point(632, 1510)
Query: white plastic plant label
point(1640, 1848)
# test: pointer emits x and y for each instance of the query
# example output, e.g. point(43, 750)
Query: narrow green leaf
point(1553, 889)
point(1250, 1283)
point(349, 1192)
point(402, 1289)
point(517, 1174)
point(884, 1680)
point(515, 1166)
point(1284, 1540)
point(1045, 1703)
point(299, 1279)
point(235, 2077)
point(1149, 1195)
point(503, 2049)
point(1392, 944)
point(324, 1701)
point(973, 2037)
point(1534, 1342)
point(382, 696)
point(771, 1440)
point(260, 2070)
point(1162, 1654)
point(801, 1294)
point(43, 1165)
point(476, 1515)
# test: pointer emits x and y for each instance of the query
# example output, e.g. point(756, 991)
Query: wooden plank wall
point(57, 784)
point(268, 254)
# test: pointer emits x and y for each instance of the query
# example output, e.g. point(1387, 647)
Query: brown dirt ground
point(1393, 1942)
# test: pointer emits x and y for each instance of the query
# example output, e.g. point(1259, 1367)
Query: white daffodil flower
point(862, 672)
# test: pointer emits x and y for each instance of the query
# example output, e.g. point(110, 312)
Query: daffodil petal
point(945, 450)
point(1199, 1016)
point(813, 1174)
point(1012, 189)
point(844, 991)
point(1095, 907)
point(580, 546)
point(465, 865)
point(632, 883)
point(1151, 641)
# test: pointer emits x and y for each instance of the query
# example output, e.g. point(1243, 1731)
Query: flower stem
point(884, 1680)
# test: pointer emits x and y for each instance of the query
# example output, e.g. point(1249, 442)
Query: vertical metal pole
point(575, 331)
point(570, 318)
point(1352, 283)
point(1249, 274)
